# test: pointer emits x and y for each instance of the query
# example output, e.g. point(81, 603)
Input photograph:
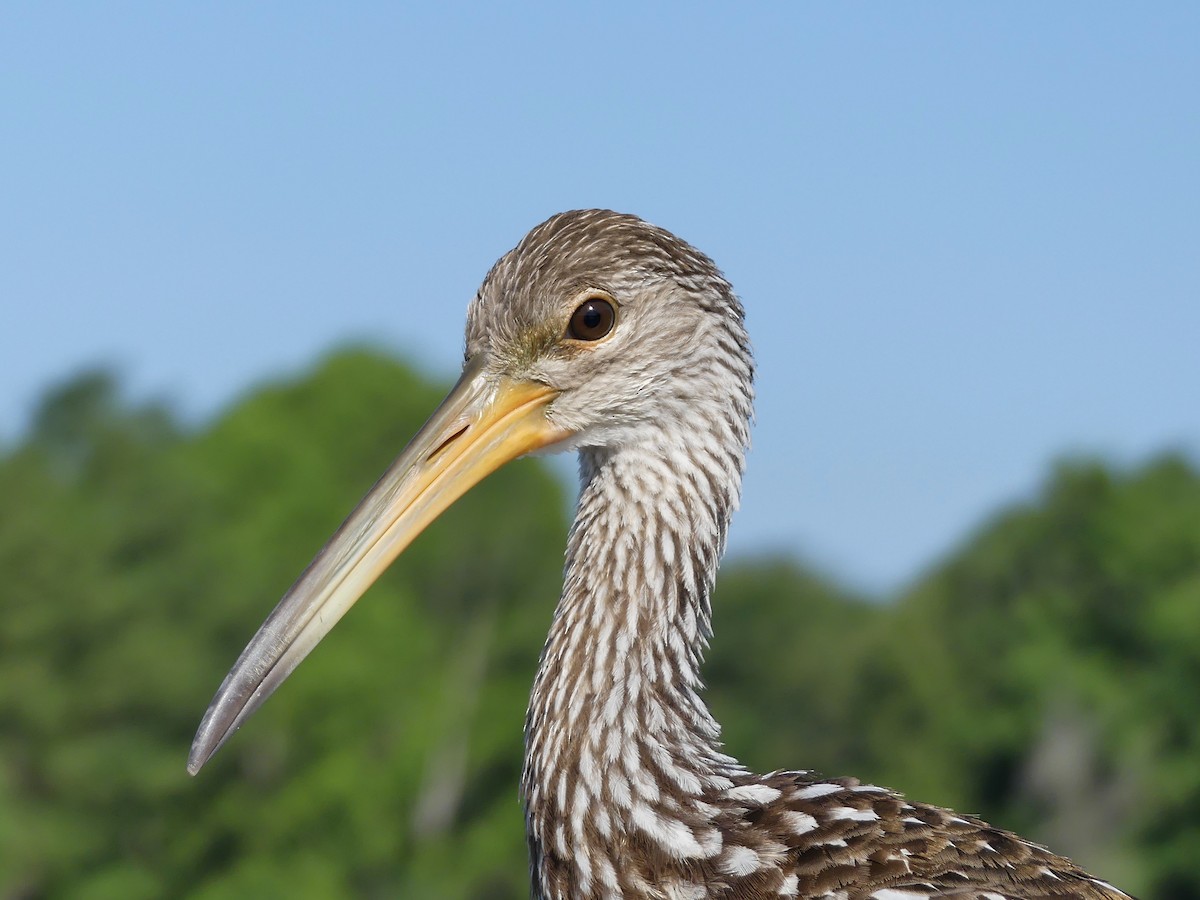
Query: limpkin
point(603, 333)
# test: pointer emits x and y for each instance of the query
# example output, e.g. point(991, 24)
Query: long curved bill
point(483, 423)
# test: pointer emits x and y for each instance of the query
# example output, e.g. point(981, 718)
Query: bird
point(604, 334)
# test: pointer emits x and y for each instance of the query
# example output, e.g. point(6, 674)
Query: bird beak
point(483, 423)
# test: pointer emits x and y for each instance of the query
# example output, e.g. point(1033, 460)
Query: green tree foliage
point(1044, 676)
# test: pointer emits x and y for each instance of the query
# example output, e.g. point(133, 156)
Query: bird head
point(632, 328)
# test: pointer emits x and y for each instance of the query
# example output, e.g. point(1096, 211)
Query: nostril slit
point(446, 443)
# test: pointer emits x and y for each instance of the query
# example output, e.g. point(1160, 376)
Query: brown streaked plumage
point(628, 793)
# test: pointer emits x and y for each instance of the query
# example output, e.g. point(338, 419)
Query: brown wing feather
point(849, 841)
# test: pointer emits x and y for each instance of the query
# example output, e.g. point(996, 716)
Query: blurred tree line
point(1044, 676)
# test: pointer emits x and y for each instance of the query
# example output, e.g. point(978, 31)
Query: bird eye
point(593, 320)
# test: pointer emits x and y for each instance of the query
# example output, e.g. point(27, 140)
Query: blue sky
point(967, 235)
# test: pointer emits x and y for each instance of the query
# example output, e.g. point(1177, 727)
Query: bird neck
point(618, 738)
